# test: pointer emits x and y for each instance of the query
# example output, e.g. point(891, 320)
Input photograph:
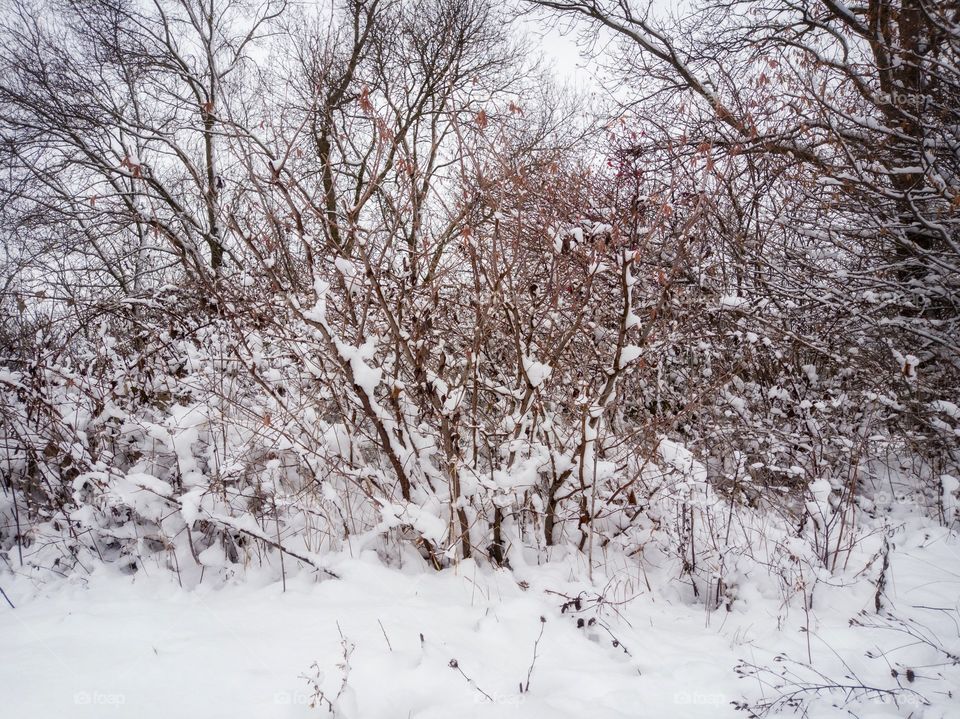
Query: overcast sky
point(558, 42)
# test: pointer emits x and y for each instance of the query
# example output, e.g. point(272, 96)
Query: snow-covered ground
point(461, 642)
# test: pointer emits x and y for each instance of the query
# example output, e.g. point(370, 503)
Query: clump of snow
point(427, 523)
point(948, 408)
point(536, 372)
point(681, 459)
point(908, 365)
point(352, 274)
point(810, 371)
point(630, 353)
point(733, 302)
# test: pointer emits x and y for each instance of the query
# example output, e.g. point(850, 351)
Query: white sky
point(557, 41)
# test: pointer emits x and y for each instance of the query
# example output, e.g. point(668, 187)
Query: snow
point(112, 645)
point(908, 365)
point(630, 353)
point(948, 408)
point(950, 493)
point(454, 401)
point(213, 556)
point(190, 504)
point(183, 430)
point(144, 493)
point(733, 302)
point(681, 459)
point(367, 378)
point(428, 524)
point(537, 372)
point(318, 313)
point(351, 273)
point(150, 483)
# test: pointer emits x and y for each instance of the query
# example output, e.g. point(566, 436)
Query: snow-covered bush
point(382, 293)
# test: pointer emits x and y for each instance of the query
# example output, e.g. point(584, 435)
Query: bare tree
point(839, 228)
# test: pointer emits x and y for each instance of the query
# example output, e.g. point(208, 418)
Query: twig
point(455, 665)
point(227, 521)
point(389, 646)
point(543, 625)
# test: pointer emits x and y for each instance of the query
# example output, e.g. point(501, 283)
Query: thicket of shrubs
point(279, 285)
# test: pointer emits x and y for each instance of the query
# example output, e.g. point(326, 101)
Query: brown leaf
point(364, 100)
